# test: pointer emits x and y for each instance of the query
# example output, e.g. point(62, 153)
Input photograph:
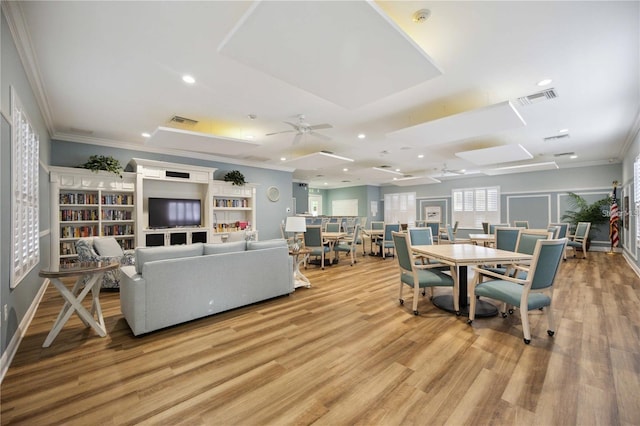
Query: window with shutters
point(25, 238)
point(400, 208)
point(472, 206)
point(636, 199)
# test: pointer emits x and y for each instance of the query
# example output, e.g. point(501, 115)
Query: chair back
point(435, 229)
point(564, 228)
point(555, 230)
point(507, 238)
point(528, 238)
point(332, 227)
point(388, 229)
point(451, 236)
point(363, 222)
point(521, 224)
point(455, 227)
point(403, 251)
point(377, 225)
point(356, 235)
point(420, 237)
point(313, 236)
point(492, 228)
point(546, 260)
point(485, 227)
point(420, 223)
point(582, 231)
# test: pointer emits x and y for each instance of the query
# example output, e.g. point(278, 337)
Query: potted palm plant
point(597, 212)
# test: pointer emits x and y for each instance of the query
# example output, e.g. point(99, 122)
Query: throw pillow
point(107, 247)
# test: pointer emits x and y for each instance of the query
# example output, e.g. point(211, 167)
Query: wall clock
point(273, 193)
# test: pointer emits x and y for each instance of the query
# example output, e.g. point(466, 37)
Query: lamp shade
point(296, 224)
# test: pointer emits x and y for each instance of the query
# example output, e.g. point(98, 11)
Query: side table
point(89, 273)
point(299, 256)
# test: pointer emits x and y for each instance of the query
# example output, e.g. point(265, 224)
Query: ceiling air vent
point(564, 154)
point(538, 97)
point(556, 138)
point(183, 121)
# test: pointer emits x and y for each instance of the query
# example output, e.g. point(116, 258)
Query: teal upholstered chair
point(533, 291)
point(492, 227)
point(100, 249)
point(350, 245)
point(386, 243)
point(525, 243)
point(579, 240)
point(445, 235)
point(435, 231)
point(419, 276)
point(332, 227)
point(452, 239)
point(521, 224)
point(314, 242)
point(507, 238)
point(563, 229)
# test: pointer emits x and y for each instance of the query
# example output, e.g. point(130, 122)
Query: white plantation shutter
point(636, 200)
point(400, 208)
point(472, 206)
point(25, 240)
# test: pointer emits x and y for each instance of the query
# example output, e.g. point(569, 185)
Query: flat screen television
point(174, 212)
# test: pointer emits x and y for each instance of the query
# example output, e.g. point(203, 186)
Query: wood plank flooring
point(344, 352)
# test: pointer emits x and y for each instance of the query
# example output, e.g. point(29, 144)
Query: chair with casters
point(435, 231)
point(349, 246)
point(101, 249)
point(443, 233)
point(386, 243)
point(452, 239)
point(533, 291)
point(554, 230)
point(579, 239)
point(419, 276)
point(521, 224)
point(525, 243)
point(563, 230)
point(492, 227)
point(332, 227)
point(314, 242)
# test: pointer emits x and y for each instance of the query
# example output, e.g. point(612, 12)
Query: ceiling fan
point(302, 128)
point(445, 170)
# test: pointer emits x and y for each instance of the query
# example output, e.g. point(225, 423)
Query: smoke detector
point(421, 16)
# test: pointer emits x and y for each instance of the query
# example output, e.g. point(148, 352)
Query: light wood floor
point(344, 352)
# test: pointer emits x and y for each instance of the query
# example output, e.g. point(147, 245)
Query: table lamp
point(296, 225)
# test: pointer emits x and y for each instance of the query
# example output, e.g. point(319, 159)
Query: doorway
point(315, 205)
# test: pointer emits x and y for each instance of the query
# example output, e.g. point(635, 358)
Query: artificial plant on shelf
point(105, 163)
point(235, 177)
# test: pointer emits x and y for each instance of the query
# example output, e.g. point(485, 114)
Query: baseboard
point(12, 348)
point(631, 263)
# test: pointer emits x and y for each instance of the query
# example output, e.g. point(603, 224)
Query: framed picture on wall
point(433, 214)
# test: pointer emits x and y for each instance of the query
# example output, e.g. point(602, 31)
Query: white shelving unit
point(86, 204)
point(234, 208)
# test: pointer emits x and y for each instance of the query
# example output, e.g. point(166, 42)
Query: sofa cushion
point(225, 247)
point(257, 245)
point(107, 247)
point(149, 254)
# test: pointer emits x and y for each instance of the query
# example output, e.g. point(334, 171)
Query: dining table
point(484, 239)
point(461, 256)
point(372, 235)
point(331, 238)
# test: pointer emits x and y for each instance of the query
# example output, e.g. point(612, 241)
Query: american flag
point(613, 221)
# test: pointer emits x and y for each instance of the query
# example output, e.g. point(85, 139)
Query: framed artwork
point(433, 214)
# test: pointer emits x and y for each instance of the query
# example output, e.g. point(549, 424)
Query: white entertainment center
point(85, 204)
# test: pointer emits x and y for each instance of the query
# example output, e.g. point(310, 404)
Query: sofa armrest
point(132, 299)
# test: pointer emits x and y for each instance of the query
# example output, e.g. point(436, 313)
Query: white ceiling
point(104, 72)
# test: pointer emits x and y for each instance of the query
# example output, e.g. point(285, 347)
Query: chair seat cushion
point(428, 278)
point(574, 243)
point(511, 293)
point(317, 251)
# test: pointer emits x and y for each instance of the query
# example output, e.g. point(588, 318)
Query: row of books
point(118, 199)
point(78, 198)
point(67, 215)
point(78, 231)
point(117, 230)
point(109, 214)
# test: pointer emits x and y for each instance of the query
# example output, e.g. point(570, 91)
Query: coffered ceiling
point(290, 85)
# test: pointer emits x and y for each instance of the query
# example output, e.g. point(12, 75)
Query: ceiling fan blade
point(296, 139)
point(295, 126)
point(277, 133)
point(320, 136)
point(321, 126)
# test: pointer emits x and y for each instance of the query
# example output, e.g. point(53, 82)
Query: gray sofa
point(175, 284)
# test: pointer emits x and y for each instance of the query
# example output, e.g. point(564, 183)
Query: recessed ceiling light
point(326, 183)
point(397, 170)
point(146, 135)
point(573, 157)
point(361, 136)
point(249, 136)
point(563, 131)
point(420, 155)
point(345, 170)
point(188, 79)
point(544, 82)
point(283, 158)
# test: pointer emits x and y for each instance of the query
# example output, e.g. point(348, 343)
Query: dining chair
point(102, 249)
point(332, 227)
point(376, 225)
point(349, 246)
point(314, 242)
point(555, 230)
point(533, 291)
point(435, 231)
point(579, 239)
point(444, 235)
point(386, 243)
point(423, 237)
point(420, 223)
point(492, 227)
point(419, 276)
point(485, 227)
point(525, 243)
point(452, 239)
point(507, 238)
point(563, 230)
point(521, 224)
